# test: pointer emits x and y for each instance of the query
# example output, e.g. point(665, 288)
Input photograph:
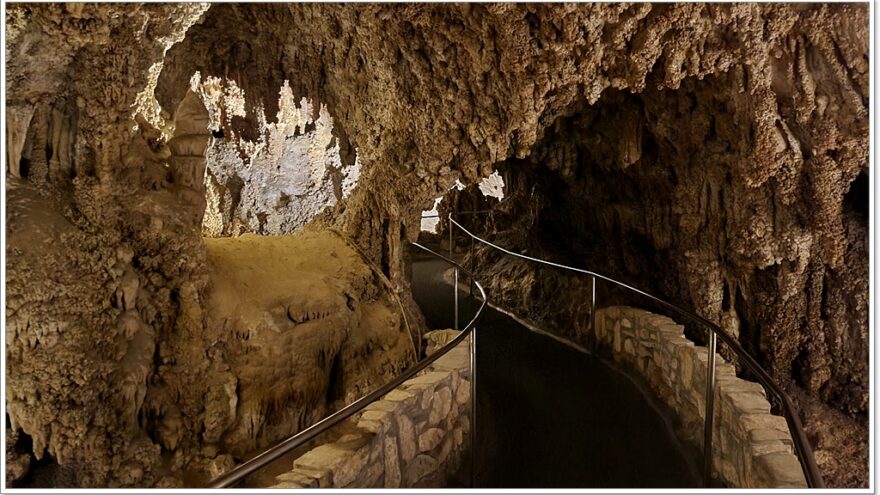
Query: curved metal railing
point(802, 446)
point(263, 459)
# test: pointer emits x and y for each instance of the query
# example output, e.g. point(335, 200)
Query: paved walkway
point(551, 416)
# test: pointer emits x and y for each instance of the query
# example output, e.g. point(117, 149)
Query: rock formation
point(726, 143)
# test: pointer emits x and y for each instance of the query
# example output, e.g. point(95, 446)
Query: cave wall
point(278, 182)
point(114, 379)
point(393, 102)
point(654, 190)
point(86, 302)
point(428, 94)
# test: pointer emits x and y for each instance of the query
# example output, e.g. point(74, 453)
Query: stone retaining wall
point(416, 436)
point(751, 447)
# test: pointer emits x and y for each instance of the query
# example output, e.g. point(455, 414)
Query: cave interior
point(209, 213)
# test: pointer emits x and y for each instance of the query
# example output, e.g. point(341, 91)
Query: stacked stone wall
point(752, 448)
point(417, 436)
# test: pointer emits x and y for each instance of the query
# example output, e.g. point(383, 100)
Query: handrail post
point(474, 407)
point(471, 268)
point(455, 295)
point(455, 282)
point(710, 409)
point(593, 308)
point(450, 226)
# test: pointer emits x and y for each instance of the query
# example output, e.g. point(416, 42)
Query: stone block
point(749, 422)
point(445, 449)
point(646, 364)
point(353, 441)
point(748, 403)
point(350, 437)
point(427, 397)
point(371, 477)
point(616, 340)
point(732, 384)
point(441, 405)
point(383, 405)
point(679, 348)
point(323, 457)
point(671, 377)
point(430, 439)
point(434, 378)
point(351, 466)
point(656, 322)
point(406, 437)
point(369, 426)
point(779, 469)
point(437, 339)
point(406, 398)
point(672, 331)
point(422, 392)
point(456, 359)
point(375, 421)
point(420, 468)
point(376, 451)
point(687, 371)
point(637, 313)
point(701, 355)
point(463, 394)
point(287, 485)
point(599, 331)
point(723, 368)
point(392, 463)
point(465, 373)
point(298, 477)
point(452, 416)
point(455, 379)
point(323, 476)
point(609, 322)
point(768, 447)
point(768, 434)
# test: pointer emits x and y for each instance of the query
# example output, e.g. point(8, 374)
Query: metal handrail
point(801, 444)
point(469, 212)
point(261, 460)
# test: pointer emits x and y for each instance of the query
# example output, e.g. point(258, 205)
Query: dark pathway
point(551, 416)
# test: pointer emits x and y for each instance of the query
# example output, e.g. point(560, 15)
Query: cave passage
point(549, 415)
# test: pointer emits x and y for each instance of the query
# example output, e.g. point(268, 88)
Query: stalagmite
point(18, 119)
point(62, 135)
point(191, 137)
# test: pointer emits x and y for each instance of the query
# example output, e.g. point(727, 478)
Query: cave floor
point(551, 416)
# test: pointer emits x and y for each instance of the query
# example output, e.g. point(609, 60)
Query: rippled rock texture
point(730, 140)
